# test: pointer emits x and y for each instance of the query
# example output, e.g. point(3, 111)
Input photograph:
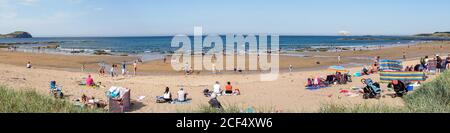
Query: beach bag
point(113, 92)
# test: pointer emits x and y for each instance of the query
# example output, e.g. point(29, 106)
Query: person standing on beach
point(112, 70)
point(186, 68)
point(165, 59)
point(124, 68)
point(447, 63)
point(214, 68)
point(291, 68)
point(101, 71)
point(82, 67)
point(134, 68)
point(339, 59)
point(439, 64)
point(404, 55)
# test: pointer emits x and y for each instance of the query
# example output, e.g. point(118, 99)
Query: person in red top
point(89, 81)
point(228, 88)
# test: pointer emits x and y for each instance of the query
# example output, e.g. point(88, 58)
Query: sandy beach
point(286, 94)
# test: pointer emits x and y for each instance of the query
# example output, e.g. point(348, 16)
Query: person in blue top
point(124, 65)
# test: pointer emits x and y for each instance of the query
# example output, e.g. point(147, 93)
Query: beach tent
point(338, 69)
point(388, 76)
point(390, 65)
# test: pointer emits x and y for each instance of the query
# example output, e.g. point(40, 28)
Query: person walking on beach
point(124, 68)
point(134, 68)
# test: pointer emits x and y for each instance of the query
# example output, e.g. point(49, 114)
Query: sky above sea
point(69, 18)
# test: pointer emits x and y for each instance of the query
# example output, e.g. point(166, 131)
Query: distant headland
point(17, 34)
point(435, 34)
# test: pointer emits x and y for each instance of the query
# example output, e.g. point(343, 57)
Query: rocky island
point(17, 34)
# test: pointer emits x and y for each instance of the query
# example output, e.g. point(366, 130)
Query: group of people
point(214, 102)
point(114, 68)
point(372, 69)
point(218, 91)
point(439, 64)
point(167, 96)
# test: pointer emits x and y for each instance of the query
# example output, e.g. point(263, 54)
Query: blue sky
point(170, 17)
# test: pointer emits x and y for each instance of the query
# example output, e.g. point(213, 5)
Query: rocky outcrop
point(17, 34)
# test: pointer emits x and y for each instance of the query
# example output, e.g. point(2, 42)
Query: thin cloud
point(28, 2)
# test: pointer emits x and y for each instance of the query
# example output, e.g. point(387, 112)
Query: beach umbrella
point(338, 68)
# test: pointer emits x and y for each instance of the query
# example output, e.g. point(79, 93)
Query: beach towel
point(315, 87)
point(402, 76)
point(338, 69)
point(390, 65)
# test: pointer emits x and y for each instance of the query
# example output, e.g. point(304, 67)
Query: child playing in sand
point(29, 64)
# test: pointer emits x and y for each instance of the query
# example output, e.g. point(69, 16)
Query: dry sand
point(287, 93)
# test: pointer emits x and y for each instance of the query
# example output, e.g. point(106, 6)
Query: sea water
point(154, 47)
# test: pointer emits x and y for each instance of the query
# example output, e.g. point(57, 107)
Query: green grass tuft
point(31, 102)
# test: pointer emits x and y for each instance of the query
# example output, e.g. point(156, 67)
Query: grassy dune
point(32, 102)
point(431, 97)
